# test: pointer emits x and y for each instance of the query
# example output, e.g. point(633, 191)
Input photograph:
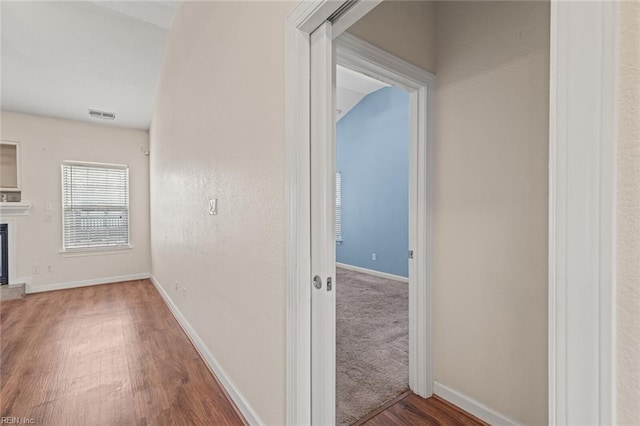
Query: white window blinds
point(95, 200)
point(338, 207)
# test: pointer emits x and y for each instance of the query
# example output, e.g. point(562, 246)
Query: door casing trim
point(582, 188)
point(363, 57)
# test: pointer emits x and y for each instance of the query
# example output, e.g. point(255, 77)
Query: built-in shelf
point(15, 209)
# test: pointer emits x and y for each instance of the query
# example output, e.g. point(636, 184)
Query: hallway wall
point(491, 192)
point(218, 131)
point(405, 28)
point(490, 197)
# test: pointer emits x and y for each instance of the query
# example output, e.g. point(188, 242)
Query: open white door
point(323, 229)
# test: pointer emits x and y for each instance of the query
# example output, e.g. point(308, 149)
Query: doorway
point(362, 57)
point(372, 230)
point(574, 149)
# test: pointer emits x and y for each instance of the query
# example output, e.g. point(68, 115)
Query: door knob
point(317, 282)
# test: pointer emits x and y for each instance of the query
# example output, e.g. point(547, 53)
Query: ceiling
point(352, 87)
point(62, 58)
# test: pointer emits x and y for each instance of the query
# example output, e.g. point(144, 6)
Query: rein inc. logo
point(17, 421)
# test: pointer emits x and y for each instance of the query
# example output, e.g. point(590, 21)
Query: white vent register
point(102, 114)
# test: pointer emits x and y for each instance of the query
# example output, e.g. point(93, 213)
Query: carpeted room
point(372, 336)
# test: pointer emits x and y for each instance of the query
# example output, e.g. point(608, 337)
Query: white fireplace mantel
point(15, 209)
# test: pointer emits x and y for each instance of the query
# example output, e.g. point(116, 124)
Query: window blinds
point(95, 205)
point(338, 207)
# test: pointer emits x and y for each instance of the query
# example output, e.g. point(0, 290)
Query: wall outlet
point(49, 268)
point(176, 286)
point(36, 269)
point(374, 256)
point(48, 217)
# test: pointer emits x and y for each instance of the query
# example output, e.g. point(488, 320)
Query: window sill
point(98, 251)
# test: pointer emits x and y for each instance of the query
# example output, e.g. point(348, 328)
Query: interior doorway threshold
point(383, 407)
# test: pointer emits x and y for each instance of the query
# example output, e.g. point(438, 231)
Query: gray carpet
point(372, 343)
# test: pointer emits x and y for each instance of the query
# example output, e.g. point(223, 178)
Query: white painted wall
point(628, 218)
point(46, 142)
point(490, 222)
point(490, 219)
point(219, 131)
point(404, 28)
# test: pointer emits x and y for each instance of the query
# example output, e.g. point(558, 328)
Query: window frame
point(102, 248)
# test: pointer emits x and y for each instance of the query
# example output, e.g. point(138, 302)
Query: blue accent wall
point(373, 158)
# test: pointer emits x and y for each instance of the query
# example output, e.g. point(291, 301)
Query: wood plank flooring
point(414, 411)
point(104, 355)
point(114, 355)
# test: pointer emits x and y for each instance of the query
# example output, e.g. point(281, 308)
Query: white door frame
point(323, 226)
point(363, 57)
point(308, 16)
point(581, 208)
point(582, 188)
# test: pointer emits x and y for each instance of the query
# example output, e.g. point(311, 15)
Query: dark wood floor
point(104, 355)
point(411, 410)
point(114, 355)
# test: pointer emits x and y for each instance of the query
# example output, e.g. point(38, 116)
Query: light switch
point(48, 207)
point(213, 206)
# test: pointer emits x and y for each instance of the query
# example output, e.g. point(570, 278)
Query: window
point(338, 207)
point(95, 203)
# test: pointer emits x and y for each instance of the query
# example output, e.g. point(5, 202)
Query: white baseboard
point(241, 402)
point(472, 406)
point(21, 280)
point(372, 272)
point(31, 288)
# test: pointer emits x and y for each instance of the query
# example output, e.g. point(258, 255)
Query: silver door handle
point(317, 282)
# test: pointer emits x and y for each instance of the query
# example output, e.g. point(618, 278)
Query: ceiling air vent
point(102, 114)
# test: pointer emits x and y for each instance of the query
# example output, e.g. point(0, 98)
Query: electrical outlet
point(176, 286)
point(374, 256)
point(48, 217)
point(36, 269)
point(49, 268)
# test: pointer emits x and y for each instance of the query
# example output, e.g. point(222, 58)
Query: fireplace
point(4, 254)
